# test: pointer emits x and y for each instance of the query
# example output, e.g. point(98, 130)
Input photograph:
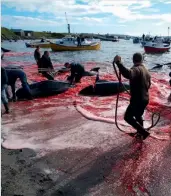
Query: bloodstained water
point(51, 125)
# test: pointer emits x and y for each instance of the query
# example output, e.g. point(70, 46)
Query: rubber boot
point(6, 108)
point(142, 135)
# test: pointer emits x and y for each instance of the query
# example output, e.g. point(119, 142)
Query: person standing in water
point(77, 72)
point(46, 66)
point(140, 81)
point(37, 57)
point(4, 83)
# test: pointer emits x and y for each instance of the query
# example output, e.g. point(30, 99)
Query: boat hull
point(58, 47)
point(149, 49)
point(42, 45)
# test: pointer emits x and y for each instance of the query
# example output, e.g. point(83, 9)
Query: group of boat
point(67, 43)
point(153, 45)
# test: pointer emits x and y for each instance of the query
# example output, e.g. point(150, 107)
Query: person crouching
point(77, 72)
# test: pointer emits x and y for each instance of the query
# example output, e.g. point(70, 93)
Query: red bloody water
point(103, 106)
point(37, 117)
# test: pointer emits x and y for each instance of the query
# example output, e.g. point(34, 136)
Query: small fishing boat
point(156, 39)
point(70, 43)
point(136, 40)
point(115, 39)
point(156, 47)
point(43, 44)
point(107, 38)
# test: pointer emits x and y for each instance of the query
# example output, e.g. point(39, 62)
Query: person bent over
point(46, 67)
point(37, 57)
point(4, 82)
point(140, 81)
point(77, 72)
point(13, 75)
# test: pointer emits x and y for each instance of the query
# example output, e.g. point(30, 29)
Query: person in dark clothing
point(13, 75)
point(143, 37)
point(46, 67)
point(37, 56)
point(2, 56)
point(140, 81)
point(4, 82)
point(78, 41)
point(77, 71)
point(82, 39)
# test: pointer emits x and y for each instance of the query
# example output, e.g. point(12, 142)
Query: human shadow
point(98, 172)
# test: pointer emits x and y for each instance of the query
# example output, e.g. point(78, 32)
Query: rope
point(153, 124)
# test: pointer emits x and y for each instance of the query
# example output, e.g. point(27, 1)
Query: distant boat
point(115, 39)
point(136, 40)
point(152, 47)
point(127, 38)
point(107, 38)
point(155, 40)
point(69, 43)
point(43, 44)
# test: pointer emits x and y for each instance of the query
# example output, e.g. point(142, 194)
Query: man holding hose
point(140, 82)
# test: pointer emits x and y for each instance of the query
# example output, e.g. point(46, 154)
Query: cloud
point(165, 1)
point(30, 22)
point(118, 11)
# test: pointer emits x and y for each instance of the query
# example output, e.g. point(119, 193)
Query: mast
point(68, 25)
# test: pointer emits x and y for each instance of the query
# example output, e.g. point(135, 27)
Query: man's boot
point(6, 108)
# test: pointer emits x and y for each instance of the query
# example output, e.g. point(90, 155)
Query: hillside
point(7, 34)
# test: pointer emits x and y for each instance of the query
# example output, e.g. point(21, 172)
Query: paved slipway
point(49, 148)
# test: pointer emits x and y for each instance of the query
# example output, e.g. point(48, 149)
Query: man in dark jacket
point(4, 82)
point(78, 41)
point(37, 56)
point(77, 72)
point(13, 75)
point(46, 67)
point(140, 82)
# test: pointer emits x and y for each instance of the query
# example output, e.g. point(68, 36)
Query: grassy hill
point(7, 34)
point(48, 35)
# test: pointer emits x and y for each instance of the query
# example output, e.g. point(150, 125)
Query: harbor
point(85, 98)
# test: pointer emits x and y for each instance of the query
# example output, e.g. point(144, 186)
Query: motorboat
point(156, 47)
point(156, 39)
point(136, 40)
point(115, 39)
point(70, 43)
point(43, 43)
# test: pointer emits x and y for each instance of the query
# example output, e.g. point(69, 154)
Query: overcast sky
point(91, 16)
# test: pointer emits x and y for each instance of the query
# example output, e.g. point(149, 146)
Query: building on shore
point(22, 33)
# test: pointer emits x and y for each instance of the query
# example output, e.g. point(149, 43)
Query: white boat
point(70, 43)
point(43, 43)
point(154, 40)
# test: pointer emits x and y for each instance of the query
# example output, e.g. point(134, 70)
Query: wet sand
point(74, 156)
